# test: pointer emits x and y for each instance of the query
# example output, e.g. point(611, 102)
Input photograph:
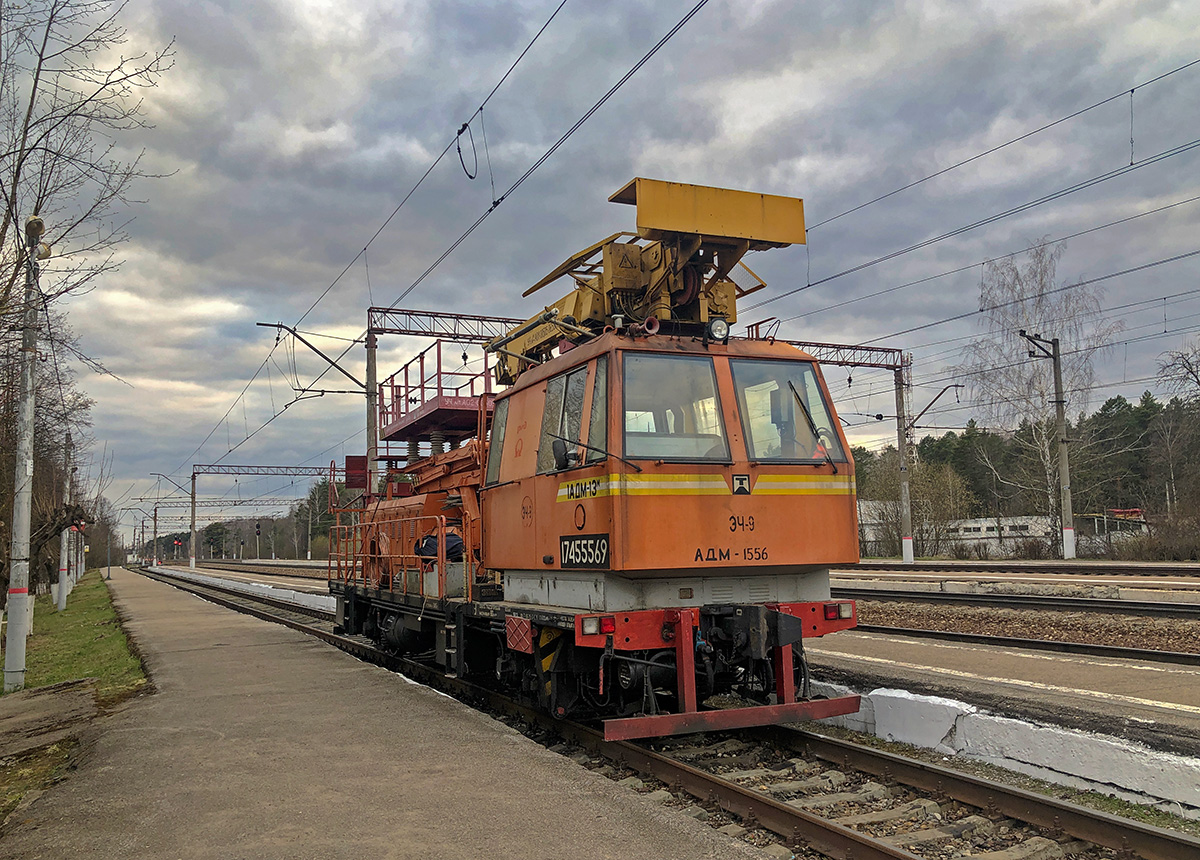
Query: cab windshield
point(672, 411)
point(784, 413)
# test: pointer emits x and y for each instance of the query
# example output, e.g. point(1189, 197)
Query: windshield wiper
point(812, 425)
point(597, 450)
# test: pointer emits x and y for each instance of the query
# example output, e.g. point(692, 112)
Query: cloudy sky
point(291, 129)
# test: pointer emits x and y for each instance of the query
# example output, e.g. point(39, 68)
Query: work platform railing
point(423, 384)
point(406, 555)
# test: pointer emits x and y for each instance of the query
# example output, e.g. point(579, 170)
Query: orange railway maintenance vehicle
point(636, 522)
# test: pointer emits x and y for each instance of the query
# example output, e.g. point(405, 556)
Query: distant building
point(992, 537)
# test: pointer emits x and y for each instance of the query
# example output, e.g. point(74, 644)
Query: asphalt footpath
point(261, 742)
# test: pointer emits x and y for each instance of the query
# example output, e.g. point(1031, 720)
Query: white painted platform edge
point(1078, 759)
point(300, 598)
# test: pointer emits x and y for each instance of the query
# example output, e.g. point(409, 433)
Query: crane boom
point(682, 268)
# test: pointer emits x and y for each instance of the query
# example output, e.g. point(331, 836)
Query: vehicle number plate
point(583, 551)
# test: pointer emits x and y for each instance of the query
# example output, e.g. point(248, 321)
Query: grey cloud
point(292, 145)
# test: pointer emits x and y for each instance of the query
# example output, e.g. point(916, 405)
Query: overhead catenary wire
point(991, 219)
point(534, 167)
point(962, 374)
point(431, 167)
point(380, 229)
point(228, 411)
point(1040, 294)
point(873, 376)
point(989, 260)
point(1017, 139)
point(550, 152)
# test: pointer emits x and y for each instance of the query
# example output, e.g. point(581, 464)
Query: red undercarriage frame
point(648, 629)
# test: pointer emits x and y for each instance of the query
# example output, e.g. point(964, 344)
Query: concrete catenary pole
point(18, 577)
point(906, 540)
point(1040, 345)
point(192, 540)
point(64, 539)
point(154, 550)
point(372, 410)
point(1064, 469)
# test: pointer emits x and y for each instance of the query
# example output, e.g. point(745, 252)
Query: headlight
point(718, 329)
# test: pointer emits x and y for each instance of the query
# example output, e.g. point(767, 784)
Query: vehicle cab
point(693, 471)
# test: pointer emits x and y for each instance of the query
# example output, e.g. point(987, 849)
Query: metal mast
point(1040, 344)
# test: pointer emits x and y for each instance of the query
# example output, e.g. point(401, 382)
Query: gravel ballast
point(1128, 631)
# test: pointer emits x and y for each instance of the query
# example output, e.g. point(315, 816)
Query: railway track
point(813, 793)
point(1068, 568)
point(1084, 649)
point(1025, 601)
point(998, 567)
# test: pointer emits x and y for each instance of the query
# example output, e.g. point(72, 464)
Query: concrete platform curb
point(312, 601)
point(1078, 759)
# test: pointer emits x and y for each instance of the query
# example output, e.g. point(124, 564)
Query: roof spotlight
point(718, 330)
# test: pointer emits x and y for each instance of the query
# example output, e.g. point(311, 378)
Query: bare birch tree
point(67, 92)
point(1179, 370)
point(1015, 391)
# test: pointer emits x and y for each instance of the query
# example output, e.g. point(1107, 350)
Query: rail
point(1096, 567)
point(1023, 601)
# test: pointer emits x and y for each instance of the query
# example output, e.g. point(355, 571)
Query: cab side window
point(563, 415)
point(598, 423)
point(496, 444)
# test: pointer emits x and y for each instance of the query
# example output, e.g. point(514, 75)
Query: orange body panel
point(671, 517)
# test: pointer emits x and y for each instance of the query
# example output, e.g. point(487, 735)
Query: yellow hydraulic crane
point(682, 269)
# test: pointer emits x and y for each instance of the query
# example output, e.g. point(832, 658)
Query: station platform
point(1156, 704)
point(262, 742)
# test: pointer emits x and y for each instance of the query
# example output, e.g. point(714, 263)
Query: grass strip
point(85, 640)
